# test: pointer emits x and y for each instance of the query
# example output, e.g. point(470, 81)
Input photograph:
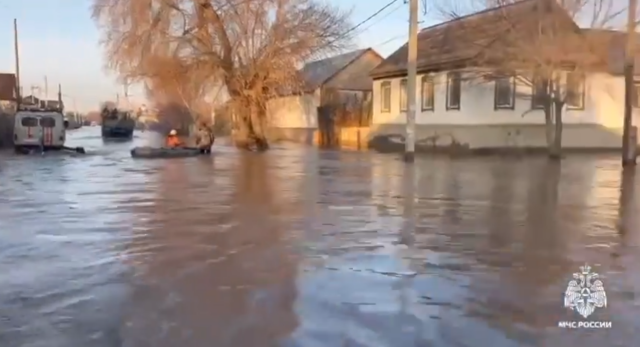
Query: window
point(29, 122)
point(538, 93)
point(575, 91)
point(403, 95)
point(385, 96)
point(636, 95)
point(505, 93)
point(427, 93)
point(453, 91)
point(47, 122)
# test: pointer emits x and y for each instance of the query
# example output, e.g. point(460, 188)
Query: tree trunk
point(549, 124)
point(249, 126)
point(242, 131)
point(258, 115)
point(555, 146)
point(556, 150)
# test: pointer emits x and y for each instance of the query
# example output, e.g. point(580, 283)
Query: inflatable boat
point(155, 152)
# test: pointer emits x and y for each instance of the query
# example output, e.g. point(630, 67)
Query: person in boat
point(173, 141)
point(204, 139)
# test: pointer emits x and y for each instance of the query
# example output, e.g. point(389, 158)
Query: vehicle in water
point(164, 152)
point(117, 124)
point(40, 128)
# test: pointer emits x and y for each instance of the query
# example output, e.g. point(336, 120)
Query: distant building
point(332, 81)
point(455, 107)
point(8, 92)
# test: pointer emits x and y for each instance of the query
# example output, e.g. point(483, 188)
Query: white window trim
point(511, 104)
point(450, 78)
point(427, 80)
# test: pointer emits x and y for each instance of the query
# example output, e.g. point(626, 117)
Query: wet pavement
point(301, 247)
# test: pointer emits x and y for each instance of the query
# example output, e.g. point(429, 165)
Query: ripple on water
point(307, 247)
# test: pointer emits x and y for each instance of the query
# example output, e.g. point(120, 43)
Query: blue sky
point(58, 39)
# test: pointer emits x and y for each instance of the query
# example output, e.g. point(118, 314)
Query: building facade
point(470, 95)
point(342, 79)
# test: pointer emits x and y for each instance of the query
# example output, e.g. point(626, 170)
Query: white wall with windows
point(458, 98)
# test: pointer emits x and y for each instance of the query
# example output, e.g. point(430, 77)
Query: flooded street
point(303, 247)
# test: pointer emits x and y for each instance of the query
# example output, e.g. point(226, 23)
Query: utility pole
point(46, 89)
point(412, 55)
point(17, 56)
point(628, 147)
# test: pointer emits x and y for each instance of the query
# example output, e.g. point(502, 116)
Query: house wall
point(293, 118)
point(478, 125)
point(356, 75)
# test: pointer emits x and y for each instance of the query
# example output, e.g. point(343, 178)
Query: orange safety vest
point(173, 141)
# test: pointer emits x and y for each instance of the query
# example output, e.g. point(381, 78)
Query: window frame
point(455, 75)
point(47, 119)
point(30, 118)
point(403, 91)
point(534, 87)
point(512, 97)
point(427, 80)
point(385, 93)
point(581, 92)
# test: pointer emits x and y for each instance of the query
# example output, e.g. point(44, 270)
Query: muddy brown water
point(303, 247)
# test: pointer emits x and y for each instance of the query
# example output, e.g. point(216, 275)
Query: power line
point(385, 16)
point(396, 37)
point(389, 40)
point(365, 21)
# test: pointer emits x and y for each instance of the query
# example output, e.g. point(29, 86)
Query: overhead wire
point(385, 16)
point(352, 29)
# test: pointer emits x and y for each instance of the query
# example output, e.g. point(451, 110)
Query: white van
point(36, 128)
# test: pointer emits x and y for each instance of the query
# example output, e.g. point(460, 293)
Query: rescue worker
point(173, 141)
point(204, 139)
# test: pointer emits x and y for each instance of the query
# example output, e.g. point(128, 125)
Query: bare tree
point(178, 93)
point(541, 43)
point(252, 47)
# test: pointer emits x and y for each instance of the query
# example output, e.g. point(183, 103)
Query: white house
point(501, 112)
point(294, 116)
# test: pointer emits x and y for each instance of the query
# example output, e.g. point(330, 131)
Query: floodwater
point(302, 247)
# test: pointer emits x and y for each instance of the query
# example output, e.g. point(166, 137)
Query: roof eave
point(450, 65)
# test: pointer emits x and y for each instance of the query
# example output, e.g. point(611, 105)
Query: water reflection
point(302, 247)
point(627, 202)
point(216, 268)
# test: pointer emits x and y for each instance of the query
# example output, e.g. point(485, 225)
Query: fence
point(6, 129)
point(334, 119)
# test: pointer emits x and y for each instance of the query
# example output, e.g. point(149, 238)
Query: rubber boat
point(163, 152)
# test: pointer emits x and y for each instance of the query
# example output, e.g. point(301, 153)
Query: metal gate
point(328, 136)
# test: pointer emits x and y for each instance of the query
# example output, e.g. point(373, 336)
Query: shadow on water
point(304, 247)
